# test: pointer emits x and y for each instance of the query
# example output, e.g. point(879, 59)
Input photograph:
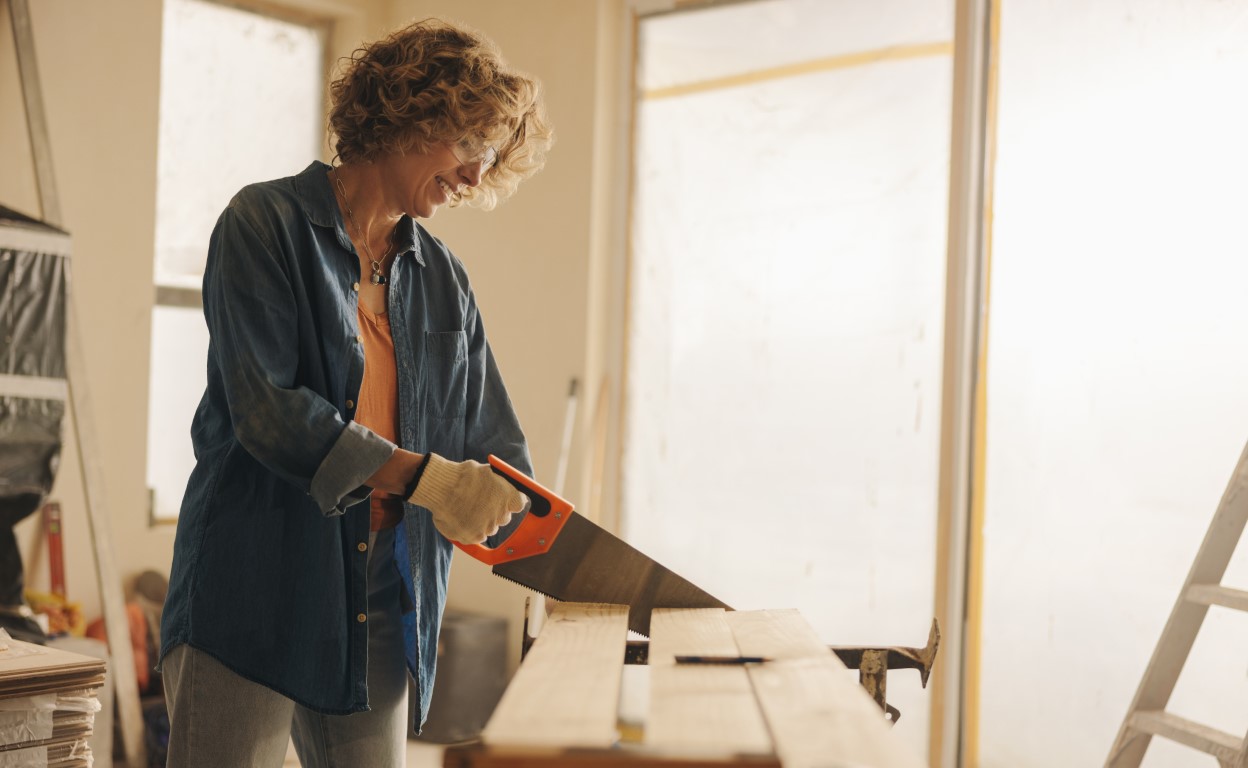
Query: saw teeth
point(526, 586)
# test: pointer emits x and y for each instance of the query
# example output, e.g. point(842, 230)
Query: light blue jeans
point(221, 720)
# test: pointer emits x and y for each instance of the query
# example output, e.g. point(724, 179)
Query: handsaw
point(565, 556)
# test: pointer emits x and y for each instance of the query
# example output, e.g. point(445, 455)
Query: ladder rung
point(1209, 740)
point(1215, 594)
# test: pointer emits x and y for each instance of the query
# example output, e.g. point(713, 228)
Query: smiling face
point(419, 184)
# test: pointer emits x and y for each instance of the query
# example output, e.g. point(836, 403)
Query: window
point(787, 300)
point(240, 102)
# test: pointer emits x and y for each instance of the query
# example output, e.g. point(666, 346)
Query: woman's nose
point(471, 173)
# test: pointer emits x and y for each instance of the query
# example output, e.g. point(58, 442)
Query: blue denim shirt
point(268, 574)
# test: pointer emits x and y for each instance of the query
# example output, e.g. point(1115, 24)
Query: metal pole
point(36, 122)
point(965, 304)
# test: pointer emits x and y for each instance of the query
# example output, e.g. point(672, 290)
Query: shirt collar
point(321, 208)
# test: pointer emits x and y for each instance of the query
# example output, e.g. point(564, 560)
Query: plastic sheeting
point(27, 719)
point(1116, 369)
point(787, 305)
point(33, 263)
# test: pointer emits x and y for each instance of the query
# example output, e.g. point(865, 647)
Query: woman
point(351, 394)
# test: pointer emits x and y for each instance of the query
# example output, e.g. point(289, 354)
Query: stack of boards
point(48, 701)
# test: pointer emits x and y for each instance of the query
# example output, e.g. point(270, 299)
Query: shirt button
point(360, 339)
point(355, 287)
point(362, 546)
point(350, 404)
point(361, 618)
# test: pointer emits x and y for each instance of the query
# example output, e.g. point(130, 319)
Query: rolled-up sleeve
point(356, 455)
point(253, 320)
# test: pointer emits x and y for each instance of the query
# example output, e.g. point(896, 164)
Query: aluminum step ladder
point(1147, 716)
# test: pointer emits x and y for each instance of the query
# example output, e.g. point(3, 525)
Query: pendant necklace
point(377, 278)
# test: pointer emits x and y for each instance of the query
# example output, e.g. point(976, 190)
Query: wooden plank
point(819, 716)
point(22, 663)
point(779, 634)
point(817, 713)
point(702, 709)
point(566, 692)
point(691, 631)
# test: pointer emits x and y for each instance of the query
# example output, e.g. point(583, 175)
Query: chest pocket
point(446, 373)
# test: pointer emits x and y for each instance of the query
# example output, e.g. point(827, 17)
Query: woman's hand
point(468, 500)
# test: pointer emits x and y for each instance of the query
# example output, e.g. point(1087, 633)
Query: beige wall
point(535, 262)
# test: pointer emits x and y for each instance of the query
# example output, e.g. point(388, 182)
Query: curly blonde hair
point(433, 83)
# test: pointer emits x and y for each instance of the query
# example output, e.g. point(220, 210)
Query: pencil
point(721, 659)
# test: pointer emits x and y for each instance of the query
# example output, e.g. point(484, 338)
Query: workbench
point(799, 708)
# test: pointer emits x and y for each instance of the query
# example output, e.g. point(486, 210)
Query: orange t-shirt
point(378, 406)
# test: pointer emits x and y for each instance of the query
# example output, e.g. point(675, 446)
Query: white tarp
point(786, 324)
point(1116, 378)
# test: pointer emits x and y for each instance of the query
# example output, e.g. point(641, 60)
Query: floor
point(419, 755)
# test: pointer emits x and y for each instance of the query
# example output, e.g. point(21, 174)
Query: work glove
point(468, 500)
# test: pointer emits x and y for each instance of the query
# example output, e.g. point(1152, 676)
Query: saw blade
point(586, 564)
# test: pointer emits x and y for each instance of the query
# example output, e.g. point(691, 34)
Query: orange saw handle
point(537, 532)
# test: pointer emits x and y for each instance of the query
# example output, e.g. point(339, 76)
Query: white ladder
point(1147, 716)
